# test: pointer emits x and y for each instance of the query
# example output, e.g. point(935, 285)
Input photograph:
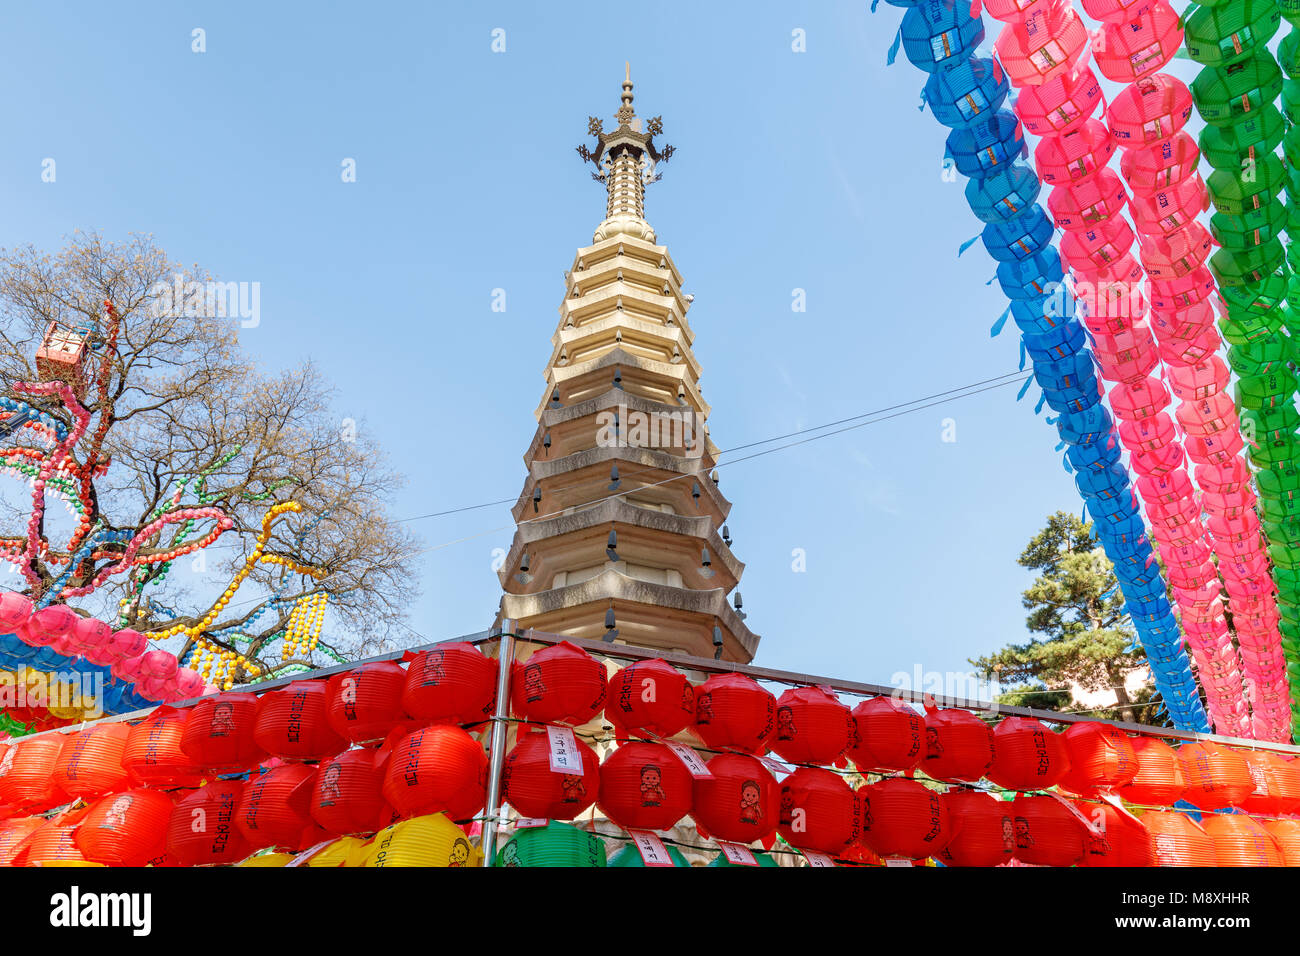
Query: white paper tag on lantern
point(896, 862)
point(692, 760)
point(652, 849)
point(302, 858)
point(737, 854)
point(774, 765)
point(529, 823)
point(565, 756)
point(818, 859)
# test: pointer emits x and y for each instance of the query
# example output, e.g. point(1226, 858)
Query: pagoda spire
point(621, 524)
point(625, 159)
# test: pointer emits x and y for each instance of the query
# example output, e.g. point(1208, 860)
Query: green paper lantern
point(556, 844)
point(631, 856)
point(1253, 229)
point(1224, 95)
point(762, 858)
point(1230, 33)
point(1238, 267)
point(1260, 357)
point(1249, 328)
point(1256, 135)
point(1247, 188)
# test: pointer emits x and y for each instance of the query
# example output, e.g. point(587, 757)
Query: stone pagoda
point(621, 527)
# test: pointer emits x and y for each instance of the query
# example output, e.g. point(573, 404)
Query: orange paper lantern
point(348, 793)
point(202, 831)
point(219, 733)
point(365, 702)
point(153, 756)
point(126, 829)
point(438, 769)
point(1159, 780)
point(90, 763)
point(1177, 841)
point(1216, 776)
point(292, 723)
point(1240, 840)
point(1101, 759)
point(274, 809)
point(452, 683)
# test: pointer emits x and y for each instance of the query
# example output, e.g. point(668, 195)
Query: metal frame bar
point(709, 665)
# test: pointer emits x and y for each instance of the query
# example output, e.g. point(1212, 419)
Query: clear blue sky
point(810, 170)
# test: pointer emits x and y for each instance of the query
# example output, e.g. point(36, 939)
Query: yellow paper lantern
point(431, 840)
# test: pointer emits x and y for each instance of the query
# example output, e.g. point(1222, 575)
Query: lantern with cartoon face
point(812, 726)
point(535, 790)
point(982, 832)
point(219, 733)
point(347, 796)
point(561, 684)
point(1047, 833)
point(126, 829)
point(1176, 840)
point(740, 802)
point(452, 683)
point(644, 786)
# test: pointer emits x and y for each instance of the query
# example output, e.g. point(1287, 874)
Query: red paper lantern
point(202, 831)
point(982, 832)
point(561, 684)
point(292, 723)
point(1266, 794)
point(1129, 51)
point(1119, 840)
point(1285, 832)
point(1101, 759)
point(650, 696)
point(365, 702)
point(220, 733)
point(90, 763)
point(890, 735)
point(958, 745)
point(126, 829)
point(1047, 833)
point(645, 786)
point(819, 811)
point(740, 802)
point(1159, 781)
point(535, 790)
point(153, 756)
point(1216, 776)
point(12, 835)
point(812, 726)
point(27, 773)
point(1026, 755)
point(348, 794)
point(452, 683)
point(48, 843)
point(1240, 840)
point(1286, 772)
point(275, 809)
point(733, 711)
point(1177, 841)
point(902, 818)
point(438, 769)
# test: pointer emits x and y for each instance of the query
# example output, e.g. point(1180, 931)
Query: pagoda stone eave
point(656, 341)
point(576, 475)
point(598, 253)
point(665, 309)
point(579, 420)
point(579, 611)
point(590, 527)
point(670, 379)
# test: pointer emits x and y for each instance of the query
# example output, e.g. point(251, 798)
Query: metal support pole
point(497, 755)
